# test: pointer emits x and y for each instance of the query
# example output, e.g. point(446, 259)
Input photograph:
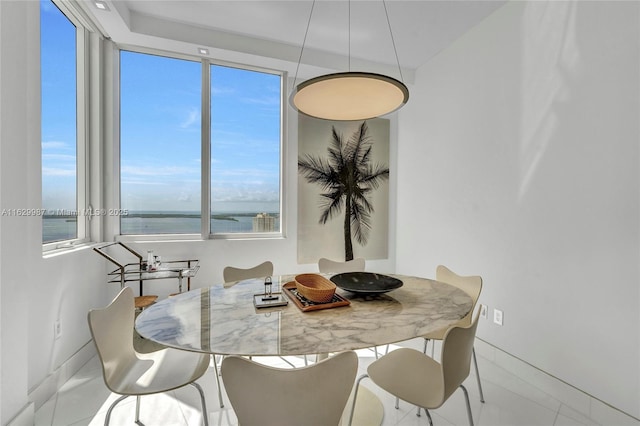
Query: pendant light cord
point(393, 42)
point(349, 36)
point(303, 43)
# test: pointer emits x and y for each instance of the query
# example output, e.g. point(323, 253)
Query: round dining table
point(223, 319)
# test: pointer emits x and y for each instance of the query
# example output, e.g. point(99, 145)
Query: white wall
point(13, 230)
point(518, 160)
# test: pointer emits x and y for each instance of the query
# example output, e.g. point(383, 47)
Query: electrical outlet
point(57, 329)
point(484, 311)
point(497, 316)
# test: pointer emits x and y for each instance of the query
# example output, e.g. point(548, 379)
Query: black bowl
point(366, 282)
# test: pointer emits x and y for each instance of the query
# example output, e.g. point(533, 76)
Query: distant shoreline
point(59, 227)
point(225, 216)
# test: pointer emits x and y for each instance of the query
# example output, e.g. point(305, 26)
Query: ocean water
point(58, 229)
point(64, 228)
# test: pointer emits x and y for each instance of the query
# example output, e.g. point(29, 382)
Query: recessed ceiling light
point(203, 51)
point(101, 5)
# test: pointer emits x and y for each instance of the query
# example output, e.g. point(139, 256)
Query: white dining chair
point(232, 274)
point(313, 395)
point(328, 266)
point(472, 285)
point(415, 377)
point(130, 373)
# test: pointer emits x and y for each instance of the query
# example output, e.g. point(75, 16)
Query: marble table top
point(223, 320)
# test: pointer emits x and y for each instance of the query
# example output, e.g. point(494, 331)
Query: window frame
point(83, 234)
point(207, 143)
point(117, 231)
point(205, 209)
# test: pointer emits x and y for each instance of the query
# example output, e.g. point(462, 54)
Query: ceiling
point(271, 32)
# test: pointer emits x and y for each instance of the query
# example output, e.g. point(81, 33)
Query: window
point(245, 151)
point(59, 120)
point(162, 128)
point(160, 144)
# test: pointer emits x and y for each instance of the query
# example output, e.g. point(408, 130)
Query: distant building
point(264, 223)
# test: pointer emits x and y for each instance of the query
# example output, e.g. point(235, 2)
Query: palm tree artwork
point(347, 179)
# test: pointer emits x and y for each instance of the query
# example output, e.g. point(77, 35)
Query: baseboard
point(42, 392)
point(569, 395)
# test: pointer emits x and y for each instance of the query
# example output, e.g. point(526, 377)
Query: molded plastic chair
point(127, 372)
point(231, 274)
point(472, 285)
point(327, 265)
point(264, 395)
point(414, 377)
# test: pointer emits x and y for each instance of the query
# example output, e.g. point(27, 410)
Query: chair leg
point(466, 397)
point(137, 409)
point(475, 363)
point(288, 362)
point(355, 396)
point(108, 416)
point(424, 351)
point(428, 416)
point(217, 374)
point(205, 413)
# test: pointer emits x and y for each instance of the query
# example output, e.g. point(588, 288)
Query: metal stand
point(138, 270)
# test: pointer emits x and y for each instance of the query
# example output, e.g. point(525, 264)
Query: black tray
point(366, 282)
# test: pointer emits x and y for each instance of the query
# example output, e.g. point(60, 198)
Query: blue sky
point(160, 131)
point(58, 109)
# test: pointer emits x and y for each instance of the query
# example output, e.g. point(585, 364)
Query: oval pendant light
point(352, 95)
point(349, 96)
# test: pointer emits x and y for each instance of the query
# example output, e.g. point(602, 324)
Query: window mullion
point(206, 150)
point(83, 128)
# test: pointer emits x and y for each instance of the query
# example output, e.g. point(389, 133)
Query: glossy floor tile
point(509, 401)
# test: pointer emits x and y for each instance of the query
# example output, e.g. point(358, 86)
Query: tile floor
point(510, 401)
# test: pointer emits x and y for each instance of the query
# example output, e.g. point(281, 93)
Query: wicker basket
point(315, 287)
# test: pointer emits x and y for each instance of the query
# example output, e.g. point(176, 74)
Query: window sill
point(149, 238)
point(64, 248)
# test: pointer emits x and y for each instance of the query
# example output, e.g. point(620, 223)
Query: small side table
point(133, 271)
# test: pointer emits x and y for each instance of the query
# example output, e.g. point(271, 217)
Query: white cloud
point(269, 101)
point(184, 197)
point(192, 118)
point(55, 145)
point(62, 157)
point(219, 90)
point(140, 182)
point(157, 171)
point(51, 171)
